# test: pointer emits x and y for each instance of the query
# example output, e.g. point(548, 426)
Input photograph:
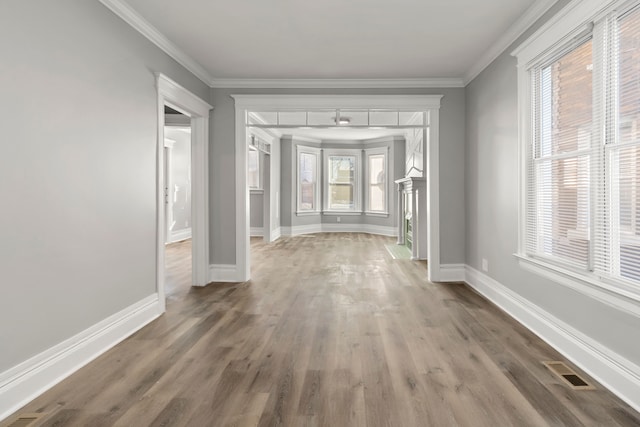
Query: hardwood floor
point(331, 331)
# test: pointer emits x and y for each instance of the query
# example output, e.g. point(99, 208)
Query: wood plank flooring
point(331, 331)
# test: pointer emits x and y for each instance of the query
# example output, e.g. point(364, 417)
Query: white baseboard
point(224, 273)
point(256, 231)
point(24, 382)
point(452, 273)
point(178, 235)
point(275, 234)
point(618, 374)
point(339, 228)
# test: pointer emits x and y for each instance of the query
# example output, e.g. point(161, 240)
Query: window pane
point(254, 169)
point(341, 182)
point(563, 209)
point(308, 179)
point(341, 196)
point(341, 169)
point(562, 169)
point(626, 160)
point(377, 183)
point(565, 103)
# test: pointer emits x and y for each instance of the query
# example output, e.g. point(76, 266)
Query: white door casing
point(427, 103)
point(172, 94)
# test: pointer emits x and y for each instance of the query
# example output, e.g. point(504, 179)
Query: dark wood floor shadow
point(330, 331)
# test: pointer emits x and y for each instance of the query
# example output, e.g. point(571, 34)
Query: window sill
point(256, 191)
point(620, 296)
point(378, 214)
point(307, 213)
point(342, 213)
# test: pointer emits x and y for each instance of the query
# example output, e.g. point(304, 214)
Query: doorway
point(299, 104)
point(177, 98)
point(177, 199)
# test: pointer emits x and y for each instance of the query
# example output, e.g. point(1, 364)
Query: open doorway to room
point(177, 200)
point(195, 129)
point(348, 163)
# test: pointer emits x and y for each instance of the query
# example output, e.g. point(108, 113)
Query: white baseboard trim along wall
point(452, 272)
point(179, 235)
point(224, 273)
point(256, 231)
point(24, 382)
point(618, 374)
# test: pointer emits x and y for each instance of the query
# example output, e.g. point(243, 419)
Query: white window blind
point(559, 168)
point(617, 248)
point(582, 203)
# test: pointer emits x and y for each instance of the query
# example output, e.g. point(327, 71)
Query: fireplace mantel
point(412, 221)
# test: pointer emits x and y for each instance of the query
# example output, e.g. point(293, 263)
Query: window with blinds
point(583, 156)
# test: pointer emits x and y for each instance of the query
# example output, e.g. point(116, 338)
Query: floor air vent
point(569, 376)
point(25, 420)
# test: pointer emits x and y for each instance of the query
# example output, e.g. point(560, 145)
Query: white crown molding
point(137, 22)
point(337, 83)
point(535, 12)
point(304, 102)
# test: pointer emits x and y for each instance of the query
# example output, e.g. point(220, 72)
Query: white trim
point(276, 234)
point(432, 160)
point(256, 231)
point(304, 102)
point(31, 378)
point(225, 273)
point(179, 235)
point(613, 297)
point(377, 214)
point(526, 20)
point(138, 23)
point(180, 99)
point(297, 230)
point(427, 103)
point(342, 213)
point(615, 372)
point(338, 83)
point(452, 272)
point(573, 17)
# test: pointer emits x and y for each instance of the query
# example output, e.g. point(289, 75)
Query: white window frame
point(302, 149)
point(368, 152)
point(577, 19)
point(357, 190)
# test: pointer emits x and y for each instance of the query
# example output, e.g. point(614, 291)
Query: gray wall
point(491, 200)
point(78, 220)
point(256, 208)
point(222, 167)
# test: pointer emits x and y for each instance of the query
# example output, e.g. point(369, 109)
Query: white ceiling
point(331, 39)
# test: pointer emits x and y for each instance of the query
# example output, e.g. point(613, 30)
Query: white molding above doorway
point(246, 102)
